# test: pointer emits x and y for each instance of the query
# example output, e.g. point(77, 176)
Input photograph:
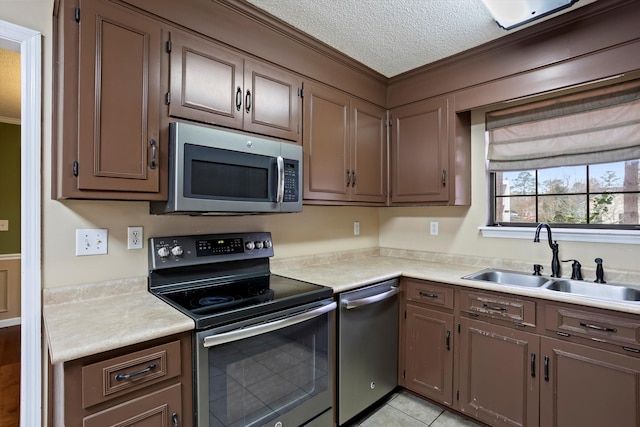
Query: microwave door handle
point(280, 195)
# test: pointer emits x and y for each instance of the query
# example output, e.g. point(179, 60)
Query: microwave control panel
point(291, 171)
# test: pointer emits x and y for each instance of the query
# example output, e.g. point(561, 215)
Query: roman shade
point(600, 125)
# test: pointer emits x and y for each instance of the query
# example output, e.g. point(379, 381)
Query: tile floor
point(406, 410)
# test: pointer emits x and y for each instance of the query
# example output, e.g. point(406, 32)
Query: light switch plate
point(91, 241)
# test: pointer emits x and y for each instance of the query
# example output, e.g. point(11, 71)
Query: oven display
point(219, 247)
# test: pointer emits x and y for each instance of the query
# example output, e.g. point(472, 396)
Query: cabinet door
point(118, 106)
point(429, 353)
point(206, 81)
point(368, 153)
point(419, 152)
point(498, 377)
point(271, 101)
point(326, 143)
point(161, 408)
point(587, 387)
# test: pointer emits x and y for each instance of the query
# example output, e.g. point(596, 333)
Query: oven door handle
point(252, 331)
point(370, 300)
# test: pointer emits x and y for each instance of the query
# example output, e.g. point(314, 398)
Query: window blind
point(594, 126)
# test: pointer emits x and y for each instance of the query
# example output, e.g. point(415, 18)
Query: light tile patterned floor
point(406, 410)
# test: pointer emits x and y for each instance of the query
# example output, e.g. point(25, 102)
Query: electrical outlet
point(434, 228)
point(4, 225)
point(356, 228)
point(91, 241)
point(134, 238)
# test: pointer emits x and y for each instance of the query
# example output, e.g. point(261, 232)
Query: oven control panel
point(173, 251)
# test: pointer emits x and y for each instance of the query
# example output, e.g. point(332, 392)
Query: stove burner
point(214, 300)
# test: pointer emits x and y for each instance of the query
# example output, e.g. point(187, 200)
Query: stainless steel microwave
point(216, 171)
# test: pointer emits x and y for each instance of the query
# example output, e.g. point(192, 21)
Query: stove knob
point(268, 244)
point(259, 245)
point(163, 252)
point(250, 246)
point(177, 251)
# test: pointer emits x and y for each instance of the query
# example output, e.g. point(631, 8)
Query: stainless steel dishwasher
point(367, 347)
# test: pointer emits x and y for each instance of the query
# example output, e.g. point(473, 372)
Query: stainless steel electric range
point(262, 342)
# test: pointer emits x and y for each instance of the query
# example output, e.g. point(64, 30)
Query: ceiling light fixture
point(510, 14)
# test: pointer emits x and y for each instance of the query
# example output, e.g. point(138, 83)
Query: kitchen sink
point(609, 291)
point(507, 277)
point(595, 290)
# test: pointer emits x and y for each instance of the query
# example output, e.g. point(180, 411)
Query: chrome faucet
point(555, 261)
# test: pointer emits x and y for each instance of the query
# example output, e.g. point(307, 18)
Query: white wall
point(408, 228)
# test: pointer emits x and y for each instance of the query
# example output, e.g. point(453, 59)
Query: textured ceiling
point(394, 36)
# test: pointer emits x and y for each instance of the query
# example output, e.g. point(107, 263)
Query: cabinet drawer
point(595, 326)
point(429, 293)
point(110, 378)
point(521, 312)
point(161, 408)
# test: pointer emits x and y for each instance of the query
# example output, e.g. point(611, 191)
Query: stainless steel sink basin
point(595, 290)
point(507, 277)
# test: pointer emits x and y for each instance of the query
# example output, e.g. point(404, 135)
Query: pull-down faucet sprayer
point(555, 260)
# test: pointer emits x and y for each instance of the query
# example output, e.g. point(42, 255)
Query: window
point(571, 160)
point(599, 195)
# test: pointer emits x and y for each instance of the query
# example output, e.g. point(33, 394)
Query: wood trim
point(591, 30)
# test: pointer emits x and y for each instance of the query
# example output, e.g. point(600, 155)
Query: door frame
point(30, 42)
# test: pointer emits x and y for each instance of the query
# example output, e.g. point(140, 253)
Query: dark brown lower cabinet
point(587, 387)
point(155, 409)
point(498, 380)
point(429, 355)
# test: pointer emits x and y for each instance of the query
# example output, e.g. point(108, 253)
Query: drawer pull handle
point(631, 349)
point(151, 367)
point(239, 98)
point(424, 294)
point(174, 418)
point(448, 340)
point(154, 153)
point(494, 307)
point(598, 328)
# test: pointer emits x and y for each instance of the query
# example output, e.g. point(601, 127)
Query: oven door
point(274, 370)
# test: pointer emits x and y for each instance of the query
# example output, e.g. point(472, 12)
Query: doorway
point(30, 43)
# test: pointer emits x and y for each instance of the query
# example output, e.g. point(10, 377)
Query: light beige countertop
point(352, 271)
point(88, 319)
point(93, 318)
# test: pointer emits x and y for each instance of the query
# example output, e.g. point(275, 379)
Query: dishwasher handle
point(263, 328)
point(349, 305)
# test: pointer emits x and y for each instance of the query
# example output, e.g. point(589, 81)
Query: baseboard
point(9, 322)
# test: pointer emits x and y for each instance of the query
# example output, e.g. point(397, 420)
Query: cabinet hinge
point(458, 327)
point(75, 168)
point(458, 395)
point(168, 46)
point(405, 314)
point(389, 123)
point(77, 14)
point(168, 98)
point(404, 373)
point(301, 92)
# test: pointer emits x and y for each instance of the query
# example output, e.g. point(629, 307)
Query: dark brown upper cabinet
point(345, 155)
point(212, 84)
point(430, 154)
point(108, 100)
